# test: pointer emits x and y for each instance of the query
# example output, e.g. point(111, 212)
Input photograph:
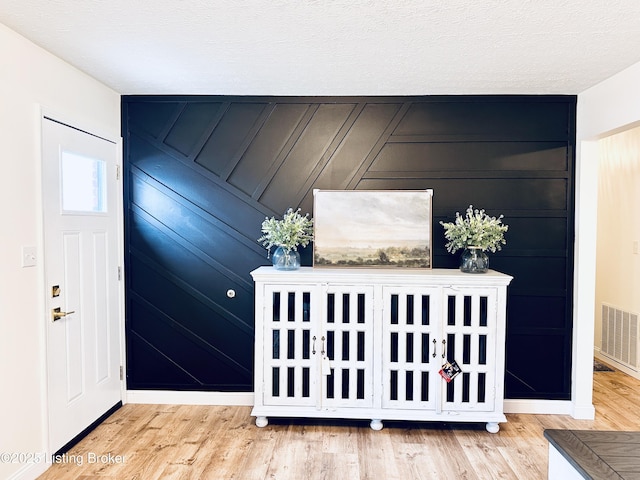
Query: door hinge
point(121, 373)
point(117, 172)
point(119, 273)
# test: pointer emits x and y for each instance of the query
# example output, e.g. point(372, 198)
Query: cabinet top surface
point(381, 275)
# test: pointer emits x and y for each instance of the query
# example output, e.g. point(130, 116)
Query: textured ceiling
point(336, 47)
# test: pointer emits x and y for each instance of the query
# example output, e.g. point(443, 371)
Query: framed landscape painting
point(372, 228)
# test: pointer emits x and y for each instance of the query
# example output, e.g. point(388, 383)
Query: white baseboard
point(587, 412)
point(31, 471)
point(617, 365)
point(539, 407)
point(167, 397)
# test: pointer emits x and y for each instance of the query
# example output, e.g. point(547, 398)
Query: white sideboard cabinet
point(370, 344)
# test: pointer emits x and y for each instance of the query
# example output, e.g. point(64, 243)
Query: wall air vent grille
point(620, 336)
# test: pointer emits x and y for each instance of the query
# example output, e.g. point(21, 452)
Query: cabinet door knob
point(231, 293)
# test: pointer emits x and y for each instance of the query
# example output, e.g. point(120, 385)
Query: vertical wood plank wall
point(202, 172)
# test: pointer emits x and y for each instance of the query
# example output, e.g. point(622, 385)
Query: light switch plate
point(29, 258)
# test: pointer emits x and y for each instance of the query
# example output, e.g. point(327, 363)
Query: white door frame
point(46, 113)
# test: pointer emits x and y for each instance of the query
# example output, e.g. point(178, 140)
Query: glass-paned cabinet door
point(470, 340)
point(346, 346)
point(290, 358)
point(410, 345)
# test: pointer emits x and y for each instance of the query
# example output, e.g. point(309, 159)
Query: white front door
point(80, 202)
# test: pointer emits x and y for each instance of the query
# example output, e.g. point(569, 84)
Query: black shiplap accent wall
point(202, 172)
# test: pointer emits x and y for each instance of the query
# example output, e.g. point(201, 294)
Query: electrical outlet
point(29, 258)
point(635, 247)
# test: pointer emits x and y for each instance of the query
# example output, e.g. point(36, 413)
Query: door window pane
point(83, 181)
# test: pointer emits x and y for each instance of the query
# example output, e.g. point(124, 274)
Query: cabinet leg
point(262, 422)
point(376, 424)
point(493, 427)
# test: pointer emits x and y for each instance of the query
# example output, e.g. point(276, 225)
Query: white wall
point(31, 78)
point(617, 266)
point(606, 108)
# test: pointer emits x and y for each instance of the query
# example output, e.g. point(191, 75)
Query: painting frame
point(373, 228)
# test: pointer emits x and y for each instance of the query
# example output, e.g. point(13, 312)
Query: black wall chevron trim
point(202, 172)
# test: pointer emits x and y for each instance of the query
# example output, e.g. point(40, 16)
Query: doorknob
point(56, 314)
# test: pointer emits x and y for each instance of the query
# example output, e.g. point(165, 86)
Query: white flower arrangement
point(292, 231)
point(476, 229)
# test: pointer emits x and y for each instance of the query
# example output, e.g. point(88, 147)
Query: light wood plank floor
point(213, 442)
